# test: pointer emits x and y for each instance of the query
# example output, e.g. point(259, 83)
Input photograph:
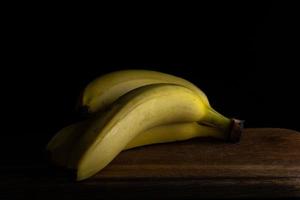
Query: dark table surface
point(266, 163)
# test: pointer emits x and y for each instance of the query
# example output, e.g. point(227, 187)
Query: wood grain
point(266, 163)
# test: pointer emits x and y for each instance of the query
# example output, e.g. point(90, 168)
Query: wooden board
point(266, 163)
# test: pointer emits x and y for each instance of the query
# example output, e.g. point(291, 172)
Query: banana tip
point(236, 130)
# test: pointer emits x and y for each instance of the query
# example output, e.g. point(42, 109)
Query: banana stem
point(232, 128)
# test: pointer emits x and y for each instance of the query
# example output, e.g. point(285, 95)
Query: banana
point(101, 92)
point(174, 132)
point(104, 90)
point(133, 113)
point(60, 148)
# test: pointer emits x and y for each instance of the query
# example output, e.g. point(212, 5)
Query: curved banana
point(101, 92)
point(104, 90)
point(61, 147)
point(137, 111)
point(174, 132)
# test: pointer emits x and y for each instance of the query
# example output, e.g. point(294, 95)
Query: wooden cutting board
point(266, 163)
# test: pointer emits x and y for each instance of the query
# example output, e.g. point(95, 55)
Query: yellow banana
point(101, 92)
point(61, 147)
point(104, 90)
point(135, 112)
point(174, 132)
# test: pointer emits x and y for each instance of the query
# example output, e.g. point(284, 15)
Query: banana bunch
point(133, 108)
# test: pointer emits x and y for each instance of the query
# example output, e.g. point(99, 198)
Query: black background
point(244, 56)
